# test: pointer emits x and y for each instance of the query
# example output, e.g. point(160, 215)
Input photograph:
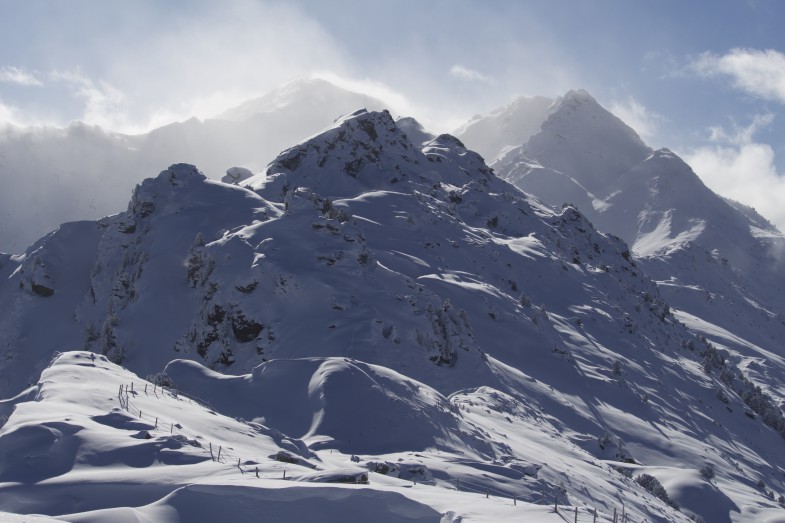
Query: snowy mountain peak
point(314, 94)
point(450, 139)
point(447, 147)
point(414, 130)
point(579, 155)
point(571, 131)
point(582, 139)
point(145, 195)
point(361, 151)
point(166, 186)
point(181, 174)
point(578, 96)
point(669, 161)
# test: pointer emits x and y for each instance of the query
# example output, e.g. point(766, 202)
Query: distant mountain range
point(85, 172)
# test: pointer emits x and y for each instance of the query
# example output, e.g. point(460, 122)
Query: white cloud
point(738, 167)
point(104, 104)
point(758, 72)
point(7, 115)
point(644, 121)
point(19, 76)
point(464, 73)
point(734, 164)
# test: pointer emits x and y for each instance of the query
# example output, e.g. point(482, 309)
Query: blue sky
point(705, 78)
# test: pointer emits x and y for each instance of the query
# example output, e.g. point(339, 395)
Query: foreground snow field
point(93, 442)
point(82, 449)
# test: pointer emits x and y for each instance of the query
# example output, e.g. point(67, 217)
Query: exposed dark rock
point(42, 290)
point(245, 329)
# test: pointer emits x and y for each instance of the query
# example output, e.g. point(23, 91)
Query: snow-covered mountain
point(382, 310)
point(315, 100)
point(51, 176)
point(717, 263)
point(582, 154)
point(578, 152)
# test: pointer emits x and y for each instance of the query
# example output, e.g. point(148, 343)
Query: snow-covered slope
point(51, 176)
point(369, 297)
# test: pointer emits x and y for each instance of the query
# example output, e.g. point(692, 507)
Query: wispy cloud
point(14, 116)
point(465, 73)
point(643, 120)
point(397, 102)
point(757, 72)
point(19, 76)
point(104, 104)
point(159, 64)
point(740, 135)
point(739, 167)
point(206, 63)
